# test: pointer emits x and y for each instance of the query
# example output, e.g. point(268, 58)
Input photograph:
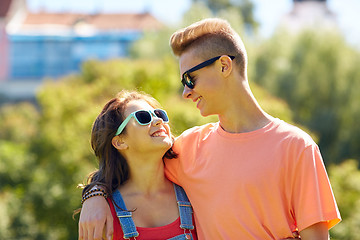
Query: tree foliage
point(345, 180)
point(317, 74)
point(201, 9)
point(241, 8)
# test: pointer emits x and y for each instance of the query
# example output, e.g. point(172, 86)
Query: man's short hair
point(209, 38)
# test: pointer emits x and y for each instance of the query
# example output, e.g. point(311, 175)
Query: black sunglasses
point(187, 80)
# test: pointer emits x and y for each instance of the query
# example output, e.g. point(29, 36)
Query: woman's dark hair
point(113, 168)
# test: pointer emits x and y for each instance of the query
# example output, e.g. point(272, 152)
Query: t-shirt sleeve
point(172, 165)
point(312, 197)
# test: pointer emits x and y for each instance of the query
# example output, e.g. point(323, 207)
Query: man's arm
point(95, 218)
point(318, 231)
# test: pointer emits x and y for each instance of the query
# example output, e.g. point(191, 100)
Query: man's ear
point(119, 143)
point(226, 65)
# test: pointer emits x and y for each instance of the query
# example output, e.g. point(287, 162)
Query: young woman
point(130, 137)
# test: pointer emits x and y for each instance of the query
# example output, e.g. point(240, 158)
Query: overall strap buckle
point(185, 208)
point(124, 216)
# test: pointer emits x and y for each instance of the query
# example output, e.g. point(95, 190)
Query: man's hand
point(95, 218)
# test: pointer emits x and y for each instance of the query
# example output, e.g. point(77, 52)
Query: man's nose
point(186, 92)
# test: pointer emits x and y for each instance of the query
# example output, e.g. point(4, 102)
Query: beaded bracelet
point(94, 190)
point(90, 195)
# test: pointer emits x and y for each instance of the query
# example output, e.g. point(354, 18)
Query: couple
point(248, 176)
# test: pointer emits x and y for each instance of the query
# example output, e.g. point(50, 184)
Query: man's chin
point(206, 114)
point(203, 113)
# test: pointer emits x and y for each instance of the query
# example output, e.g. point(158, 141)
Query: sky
point(267, 12)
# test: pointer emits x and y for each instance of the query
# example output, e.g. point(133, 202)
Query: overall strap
point(125, 217)
point(185, 208)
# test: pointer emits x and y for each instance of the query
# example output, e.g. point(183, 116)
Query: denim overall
point(128, 225)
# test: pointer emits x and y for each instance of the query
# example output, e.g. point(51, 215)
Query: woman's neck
point(146, 175)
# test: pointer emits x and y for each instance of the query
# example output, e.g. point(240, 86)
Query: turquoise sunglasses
point(143, 117)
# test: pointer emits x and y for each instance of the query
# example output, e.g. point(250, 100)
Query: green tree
point(316, 74)
point(200, 10)
point(197, 11)
point(18, 126)
point(153, 45)
point(345, 179)
point(242, 8)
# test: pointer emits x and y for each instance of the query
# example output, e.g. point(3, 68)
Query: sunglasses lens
point(161, 114)
point(143, 117)
point(183, 81)
point(187, 80)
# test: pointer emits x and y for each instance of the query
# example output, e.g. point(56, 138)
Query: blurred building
point(34, 46)
point(309, 14)
point(4, 10)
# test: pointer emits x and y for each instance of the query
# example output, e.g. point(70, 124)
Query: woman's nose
point(157, 120)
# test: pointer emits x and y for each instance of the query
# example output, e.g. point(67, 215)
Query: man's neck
point(242, 113)
point(244, 124)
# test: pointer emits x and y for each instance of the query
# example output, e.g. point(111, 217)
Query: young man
point(248, 176)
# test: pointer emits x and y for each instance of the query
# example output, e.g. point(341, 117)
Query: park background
point(310, 78)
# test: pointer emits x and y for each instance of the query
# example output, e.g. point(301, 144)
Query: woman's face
point(155, 136)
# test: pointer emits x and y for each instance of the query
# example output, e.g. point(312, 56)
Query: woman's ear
point(119, 143)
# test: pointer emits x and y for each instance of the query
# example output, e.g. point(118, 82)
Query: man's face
point(207, 83)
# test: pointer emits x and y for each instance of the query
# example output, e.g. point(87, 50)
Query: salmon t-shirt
point(263, 184)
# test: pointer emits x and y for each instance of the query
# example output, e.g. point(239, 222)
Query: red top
point(157, 233)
